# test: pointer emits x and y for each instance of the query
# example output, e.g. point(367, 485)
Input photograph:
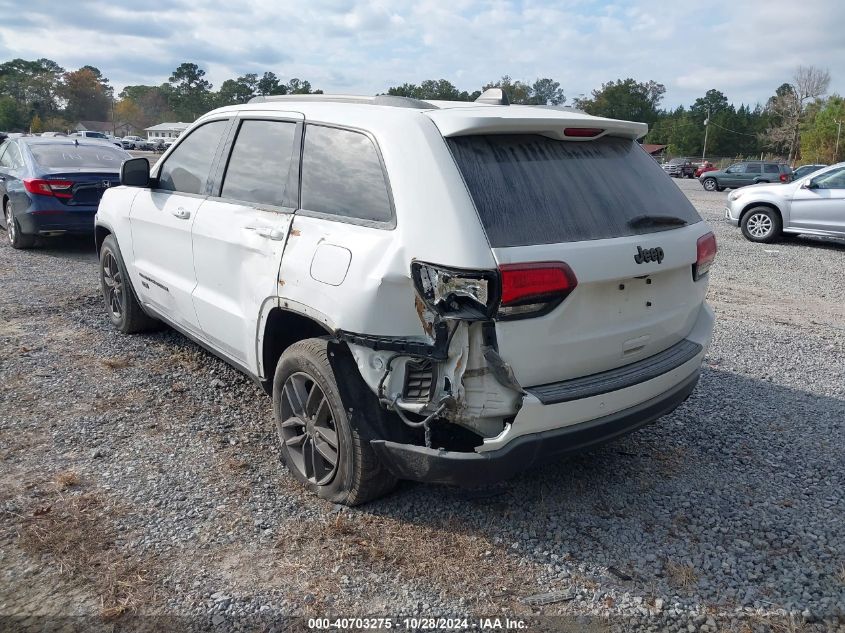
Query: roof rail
point(382, 100)
point(494, 96)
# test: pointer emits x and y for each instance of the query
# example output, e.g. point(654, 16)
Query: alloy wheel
point(710, 184)
point(308, 430)
point(10, 223)
point(759, 225)
point(113, 281)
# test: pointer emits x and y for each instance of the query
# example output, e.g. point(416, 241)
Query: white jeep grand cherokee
point(436, 291)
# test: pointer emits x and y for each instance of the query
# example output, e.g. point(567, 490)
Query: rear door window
point(260, 161)
point(342, 175)
point(68, 156)
point(531, 189)
point(186, 169)
point(754, 168)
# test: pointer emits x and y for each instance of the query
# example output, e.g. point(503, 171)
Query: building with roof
point(166, 130)
point(654, 150)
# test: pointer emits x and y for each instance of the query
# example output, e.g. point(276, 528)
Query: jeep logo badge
point(648, 255)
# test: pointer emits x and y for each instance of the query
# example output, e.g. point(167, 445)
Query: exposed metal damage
point(452, 374)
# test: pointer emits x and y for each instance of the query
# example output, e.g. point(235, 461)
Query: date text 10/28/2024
point(417, 624)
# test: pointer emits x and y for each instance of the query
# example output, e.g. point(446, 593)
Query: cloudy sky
point(746, 50)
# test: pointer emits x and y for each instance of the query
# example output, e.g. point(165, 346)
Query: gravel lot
point(140, 476)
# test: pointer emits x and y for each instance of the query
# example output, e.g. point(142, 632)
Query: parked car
point(89, 134)
point(704, 168)
point(114, 140)
point(422, 297)
point(812, 205)
point(161, 144)
point(748, 173)
point(53, 134)
point(803, 170)
point(136, 143)
point(679, 168)
point(52, 186)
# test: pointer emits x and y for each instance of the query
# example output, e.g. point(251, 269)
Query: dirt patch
point(77, 533)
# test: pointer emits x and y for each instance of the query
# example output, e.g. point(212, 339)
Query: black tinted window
point(754, 168)
point(342, 175)
point(258, 167)
point(770, 168)
point(186, 169)
point(530, 189)
point(66, 155)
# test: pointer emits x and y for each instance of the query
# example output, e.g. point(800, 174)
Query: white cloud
point(367, 45)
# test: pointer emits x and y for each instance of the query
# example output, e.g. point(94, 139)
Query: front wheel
point(13, 230)
point(122, 305)
point(319, 445)
point(710, 184)
point(761, 224)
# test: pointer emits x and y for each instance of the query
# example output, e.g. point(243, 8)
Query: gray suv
point(742, 174)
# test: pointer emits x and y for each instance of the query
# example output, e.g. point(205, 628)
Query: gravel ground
point(140, 476)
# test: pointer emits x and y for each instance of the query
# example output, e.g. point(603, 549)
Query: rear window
point(530, 189)
point(770, 168)
point(62, 156)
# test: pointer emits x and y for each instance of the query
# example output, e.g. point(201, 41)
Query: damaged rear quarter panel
point(435, 222)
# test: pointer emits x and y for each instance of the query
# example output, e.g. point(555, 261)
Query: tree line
point(798, 120)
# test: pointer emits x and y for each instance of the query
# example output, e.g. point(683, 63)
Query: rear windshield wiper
point(656, 220)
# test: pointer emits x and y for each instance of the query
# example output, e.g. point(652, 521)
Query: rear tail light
point(456, 293)
point(41, 187)
point(705, 255)
point(784, 177)
point(534, 289)
point(582, 132)
point(514, 291)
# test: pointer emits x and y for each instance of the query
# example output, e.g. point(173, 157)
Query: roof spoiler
point(494, 96)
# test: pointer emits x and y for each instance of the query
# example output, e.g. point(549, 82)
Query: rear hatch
point(608, 211)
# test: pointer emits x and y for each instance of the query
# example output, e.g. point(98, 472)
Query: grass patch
point(680, 574)
point(67, 479)
point(78, 532)
point(443, 555)
point(116, 363)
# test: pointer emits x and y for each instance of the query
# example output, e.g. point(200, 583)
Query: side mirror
point(135, 172)
point(809, 184)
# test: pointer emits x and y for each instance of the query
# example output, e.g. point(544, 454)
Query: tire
point(710, 184)
point(13, 230)
point(761, 224)
point(310, 416)
point(122, 304)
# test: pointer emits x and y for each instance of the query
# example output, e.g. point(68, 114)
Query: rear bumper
point(77, 221)
point(467, 469)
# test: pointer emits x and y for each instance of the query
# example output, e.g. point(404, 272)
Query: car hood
point(775, 189)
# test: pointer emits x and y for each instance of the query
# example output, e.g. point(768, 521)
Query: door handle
point(181, 213)
point(267, 231)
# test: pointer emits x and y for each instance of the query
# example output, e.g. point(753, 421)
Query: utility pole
point(706, 129)
point(838, 132)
